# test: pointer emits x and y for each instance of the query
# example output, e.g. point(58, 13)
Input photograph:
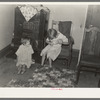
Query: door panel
point(93, 16)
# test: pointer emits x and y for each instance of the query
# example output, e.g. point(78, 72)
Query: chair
point(66, 53)
point(90, 52)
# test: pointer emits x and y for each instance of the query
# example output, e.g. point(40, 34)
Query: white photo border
point(49, 92)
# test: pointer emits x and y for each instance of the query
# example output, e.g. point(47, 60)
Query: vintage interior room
point(78, 62)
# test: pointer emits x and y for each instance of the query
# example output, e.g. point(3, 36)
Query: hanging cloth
point(28, 11)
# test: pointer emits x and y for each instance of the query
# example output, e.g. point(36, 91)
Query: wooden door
point(91, 42)
point(93, 16)
point(91, 39)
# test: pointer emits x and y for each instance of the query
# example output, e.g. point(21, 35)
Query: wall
point(6, 25)
point(76, 14)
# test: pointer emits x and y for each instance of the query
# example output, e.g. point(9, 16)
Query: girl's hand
point(48, 41)
point(60, 41)
point(51, 43)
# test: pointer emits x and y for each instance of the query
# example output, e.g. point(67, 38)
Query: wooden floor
point(8, 71)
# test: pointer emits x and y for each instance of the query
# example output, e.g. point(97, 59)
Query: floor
point(8, 71)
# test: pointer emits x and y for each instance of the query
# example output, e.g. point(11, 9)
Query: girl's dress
point(24, 55)
point(53, 51)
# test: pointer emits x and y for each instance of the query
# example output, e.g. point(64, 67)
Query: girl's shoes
point(23, 72)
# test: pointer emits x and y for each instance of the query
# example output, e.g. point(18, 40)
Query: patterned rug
point(47, 77)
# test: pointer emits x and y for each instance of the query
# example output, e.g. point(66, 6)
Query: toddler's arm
point(18, 51)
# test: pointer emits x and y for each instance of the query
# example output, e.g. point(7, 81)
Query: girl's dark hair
point(52, 31)
point(24, 38)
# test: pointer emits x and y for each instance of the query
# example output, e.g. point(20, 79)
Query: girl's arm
point(64, 40)
point(65, 43)
point(60, 41)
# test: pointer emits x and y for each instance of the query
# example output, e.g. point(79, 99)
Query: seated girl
point(52, 50)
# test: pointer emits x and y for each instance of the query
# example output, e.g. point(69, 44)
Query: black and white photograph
point(49, 45)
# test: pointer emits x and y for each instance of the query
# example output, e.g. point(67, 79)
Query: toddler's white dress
point(54, 51)
point(24, 55)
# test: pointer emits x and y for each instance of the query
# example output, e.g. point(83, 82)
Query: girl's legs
point(43, 59)
point(50, 62)
point(23, 69)
point(19, 69)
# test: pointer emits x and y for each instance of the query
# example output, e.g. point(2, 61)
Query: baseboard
point(75, 53)
point(4, 51)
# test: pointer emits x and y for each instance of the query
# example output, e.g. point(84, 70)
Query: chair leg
point(99, 83)
point(78, 74)
point(68, 62)
point(96, 72)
